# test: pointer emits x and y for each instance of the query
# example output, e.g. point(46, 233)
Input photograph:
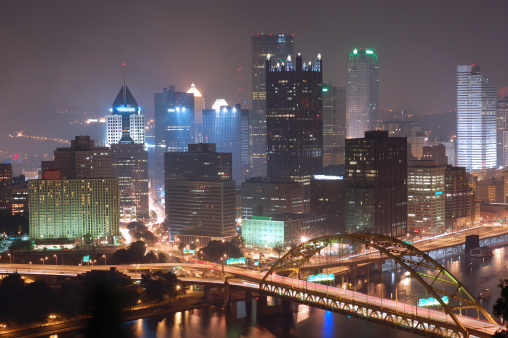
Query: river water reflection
point(475, 273)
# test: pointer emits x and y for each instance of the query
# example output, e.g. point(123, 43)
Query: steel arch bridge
point(437, 281)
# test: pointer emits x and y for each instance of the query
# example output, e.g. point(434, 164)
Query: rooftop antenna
point(124, 87)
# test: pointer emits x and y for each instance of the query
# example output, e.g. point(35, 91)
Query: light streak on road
point(42, 138)
point(126, 235)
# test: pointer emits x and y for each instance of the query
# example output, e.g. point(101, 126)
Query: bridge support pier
point(206, 292)
point(264, 310)
point(248, 299)
point(227, 296)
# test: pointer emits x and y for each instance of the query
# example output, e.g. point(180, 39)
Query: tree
point(215, 250)
point(193, 246)
point(238, 241)
point(157, 284)
point(500, 308)
point(163, 258)
point(279, 248)
point(134, 254)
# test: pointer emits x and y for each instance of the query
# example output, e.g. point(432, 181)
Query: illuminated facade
point(294, 118)
point(476, 119)
point(200, 195)
point(125, 119)
point(502, 132)
point(376, 191)
point(228, 128)
point(199, 105)
point(362, 92)
point(426, 198)
point(74, 208)
point(174, 127)
point(287, 229)
point(263, 232)
point(130, 166)
point(279, 46)
point(5, 189)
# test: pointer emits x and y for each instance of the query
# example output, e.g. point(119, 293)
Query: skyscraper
point(130, 166)
point(476, 119)
point(362, 92)
point(376, 191)
point(334, 117)
point(279, 46)
point(294, 118)
point(502, 132)
point(228, 128)
point(5, 189)
point(125, 120)
point(174, 127)
point(199, 105)
point(200, 195)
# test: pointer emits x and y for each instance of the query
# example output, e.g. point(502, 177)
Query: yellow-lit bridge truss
point(437, 281)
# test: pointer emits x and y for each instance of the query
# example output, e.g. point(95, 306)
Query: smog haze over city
point(66, 57)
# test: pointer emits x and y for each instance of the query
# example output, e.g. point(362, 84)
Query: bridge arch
point(406, 255)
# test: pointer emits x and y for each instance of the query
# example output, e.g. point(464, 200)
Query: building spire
point(124, 86)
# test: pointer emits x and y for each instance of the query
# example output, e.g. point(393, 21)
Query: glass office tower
point(362, 92)
point(476, 119)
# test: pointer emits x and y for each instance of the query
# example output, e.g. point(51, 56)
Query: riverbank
point(191, 300)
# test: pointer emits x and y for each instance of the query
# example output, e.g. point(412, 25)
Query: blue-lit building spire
point(125, 124)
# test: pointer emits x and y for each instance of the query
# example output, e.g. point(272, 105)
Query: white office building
point(476, 119)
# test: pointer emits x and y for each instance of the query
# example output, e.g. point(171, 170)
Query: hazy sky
point(69, 53)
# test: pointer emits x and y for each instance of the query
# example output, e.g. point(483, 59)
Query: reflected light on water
point(303, 313)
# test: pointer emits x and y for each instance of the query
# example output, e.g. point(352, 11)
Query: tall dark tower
point(376, 190)
point(294, 118)
point(279, 46)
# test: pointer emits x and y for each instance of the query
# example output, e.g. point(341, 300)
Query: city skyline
point(86, 74)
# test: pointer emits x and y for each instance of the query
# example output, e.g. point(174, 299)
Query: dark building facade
point(458, 198)
point(328, 198)
point(201, 162)
point(174, 127)
point(200, 195)
point(228, 129)
point(279, 46)
point(82, 160)
point(5, 189)
point(376, 190)
point(269, 196)
point(130, 166)
point(294, 118)
point(334, 118)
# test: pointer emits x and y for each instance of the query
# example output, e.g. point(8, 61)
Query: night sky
point(69, 54)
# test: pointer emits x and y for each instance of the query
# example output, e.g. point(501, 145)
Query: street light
point(42, 259)
point(10, 258)
point(105, 259)
point(56, 259)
